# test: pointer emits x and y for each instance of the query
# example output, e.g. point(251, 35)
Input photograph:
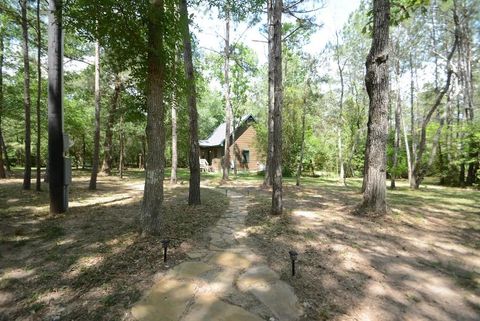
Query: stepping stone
point(166, 301)
point(210, 308)
point(220, 282)
point(257, 277)
point(190, 270)
point(229, 259)
point(197, 254)
point(278, 297)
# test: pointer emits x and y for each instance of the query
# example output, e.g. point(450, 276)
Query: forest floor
point(421, 262)
point(90, 264)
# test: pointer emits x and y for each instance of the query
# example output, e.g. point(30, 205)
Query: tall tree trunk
point(412, 123)
point(228, 103)
point(56, 162)
point(268, 174)
point(39, 95)
point(194, 147)
point(107, 145)
point(376, 81)
point(121, 158)
point(302, 149)
point(26, 98)
point(84, 152)
point(150, 215)
point(277, 197)
point(2, 167)
point(419, 170)
point(398, 110)
point(407, 148)
point(96, 136)
point(341, 163)
point(173, 174)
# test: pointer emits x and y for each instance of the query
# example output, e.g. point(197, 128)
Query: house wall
point(246, 141)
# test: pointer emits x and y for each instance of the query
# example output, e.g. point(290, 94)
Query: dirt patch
point(420, 263)
point(90, 264)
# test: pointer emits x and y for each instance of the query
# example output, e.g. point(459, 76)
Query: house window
point(245, 156)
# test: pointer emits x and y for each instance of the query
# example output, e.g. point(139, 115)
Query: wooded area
point(112, 88)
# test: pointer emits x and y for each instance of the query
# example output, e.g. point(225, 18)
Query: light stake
point(165, 246)
point(293, 258)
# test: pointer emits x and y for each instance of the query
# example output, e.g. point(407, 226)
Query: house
point(243, 146)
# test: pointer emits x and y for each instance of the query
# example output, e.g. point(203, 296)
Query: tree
point(228, 103)
point(2, 167)
point(56, 162)
point(107, 145)
point(155, 159)
point(376, 82)
point(96, 135)
point(276, 161)
point(194, 147)
point(341, 67)
point(39, 95)
point(26, 97)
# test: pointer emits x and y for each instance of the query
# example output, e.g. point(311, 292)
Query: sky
point(333, 16)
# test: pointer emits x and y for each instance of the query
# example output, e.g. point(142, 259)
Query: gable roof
point(218, 136)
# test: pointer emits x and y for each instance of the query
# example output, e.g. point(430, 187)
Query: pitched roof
point(218, 136)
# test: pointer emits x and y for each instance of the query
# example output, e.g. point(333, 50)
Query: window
point(245, 156)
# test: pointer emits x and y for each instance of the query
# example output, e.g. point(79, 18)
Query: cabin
point(244, 151)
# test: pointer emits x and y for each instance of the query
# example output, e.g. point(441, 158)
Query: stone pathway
point(226, 281)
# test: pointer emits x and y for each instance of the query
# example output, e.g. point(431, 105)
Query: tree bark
point(398, 113)
point(173, 174)
point(26, 98)
point(121, 158)
point(2, 167)
point(150, 215)
point(376, 81)
point(96, 136)
point(277, 197)
point(302, 149)
point(39, 95)
point(107, 145)
point(194, 147)
point(341, 163)
point(56, 163)
point(268, 173)
point(228, 105)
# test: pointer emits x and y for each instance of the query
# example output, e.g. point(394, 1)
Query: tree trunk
point(107, 145)
point(276, 164)
point(268, 174)
point(26, 98)
point(419, 170)
point(228, 106)
point(56, 163)
point(398, 113)
point(376, 81)
point(341, 163)
point(173, 174)
point(194, 147)
point(412, 124)
point(121, 157)
point(39, 95)
point(151, 212)
point(96, 136)
point(302, 149)
point(2, 167)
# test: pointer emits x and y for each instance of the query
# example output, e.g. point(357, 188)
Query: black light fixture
point(293, 258)
point(165, 247)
